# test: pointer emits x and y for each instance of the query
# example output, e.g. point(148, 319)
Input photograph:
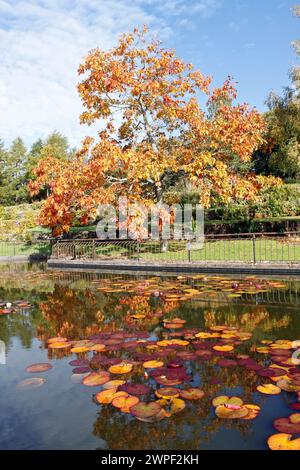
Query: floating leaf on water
point(134, 389)
point(81, 370)
point(122, 368)
point(145, 411)
point(269, 372)
point(269, 389)
point(205, 335)
point(113, 384)
point(57, 339)
point(262, 350)
point(152, 364)
point(253, 411)
point(231, 412)
point(79, 349)
point(287, 386)
point(106, 396)
point(295, 406)
point(60, 345)
point(192, 394)
point(95, 379)
point(285, 425)
point(171, 408)
point(167, 393)
point(295, 418)
point(283, 441)
point(41, 367)
point(33, 382)
point(125, 403)
point(227, 363)
point(97, 347)
point(223, 348)
point(79, 362)
point(223, 399)
point(173, 342)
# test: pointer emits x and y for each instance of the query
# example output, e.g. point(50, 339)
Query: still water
point(128, 316)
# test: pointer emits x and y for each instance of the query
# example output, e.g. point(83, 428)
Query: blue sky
point(43, 41)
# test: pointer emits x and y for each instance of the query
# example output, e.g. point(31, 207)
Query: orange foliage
point(153, 125)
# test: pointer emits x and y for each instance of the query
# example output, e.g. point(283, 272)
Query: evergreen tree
point(14, 190)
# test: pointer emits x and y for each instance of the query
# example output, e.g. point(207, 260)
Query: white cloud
point(42, 43)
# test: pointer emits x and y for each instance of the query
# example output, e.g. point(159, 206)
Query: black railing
point(247, 247)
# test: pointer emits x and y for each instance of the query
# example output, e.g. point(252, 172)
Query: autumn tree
point(153, 134)
point(54, 151)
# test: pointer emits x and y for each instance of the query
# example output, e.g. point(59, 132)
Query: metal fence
point(249, 247)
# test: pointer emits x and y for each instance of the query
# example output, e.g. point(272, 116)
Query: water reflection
point(78, 307)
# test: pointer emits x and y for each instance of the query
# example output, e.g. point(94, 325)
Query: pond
point(177, 343)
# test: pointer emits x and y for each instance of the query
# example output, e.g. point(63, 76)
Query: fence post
point(94, 250)
point(189, 251)
point(254, 248)
point(138, 251)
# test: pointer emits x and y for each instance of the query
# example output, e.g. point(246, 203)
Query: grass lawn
point(19, 249)
point(229, 250)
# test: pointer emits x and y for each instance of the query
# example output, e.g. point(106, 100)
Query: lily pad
point(134, 389)
point(125, 403)
point(285, 425)
point(192, 394)
point(231, 412)
point(152, 364)
point(121, 368)
point(41, 367)
point(143, 411)
point(106, 396)
point(95, 379)
point(224, 399)
point(269, 389)
point(167, 393)
point(113, 384)
point(29, 384)
point(283, 441)
point(171, 407)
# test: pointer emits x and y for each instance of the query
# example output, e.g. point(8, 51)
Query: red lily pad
point(295, 406)
point(175, 364)
point(134, 389)
point(42, 367)
point(79, 362)
point(284, 425)
point(81, 370)
point(187, 355)
point(269, 372)
point(227, 363)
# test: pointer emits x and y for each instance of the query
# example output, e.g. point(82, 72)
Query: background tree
point(14, 189)
point(295, 73)
point(54, 150)
point(280, 153)
point(153, 128)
